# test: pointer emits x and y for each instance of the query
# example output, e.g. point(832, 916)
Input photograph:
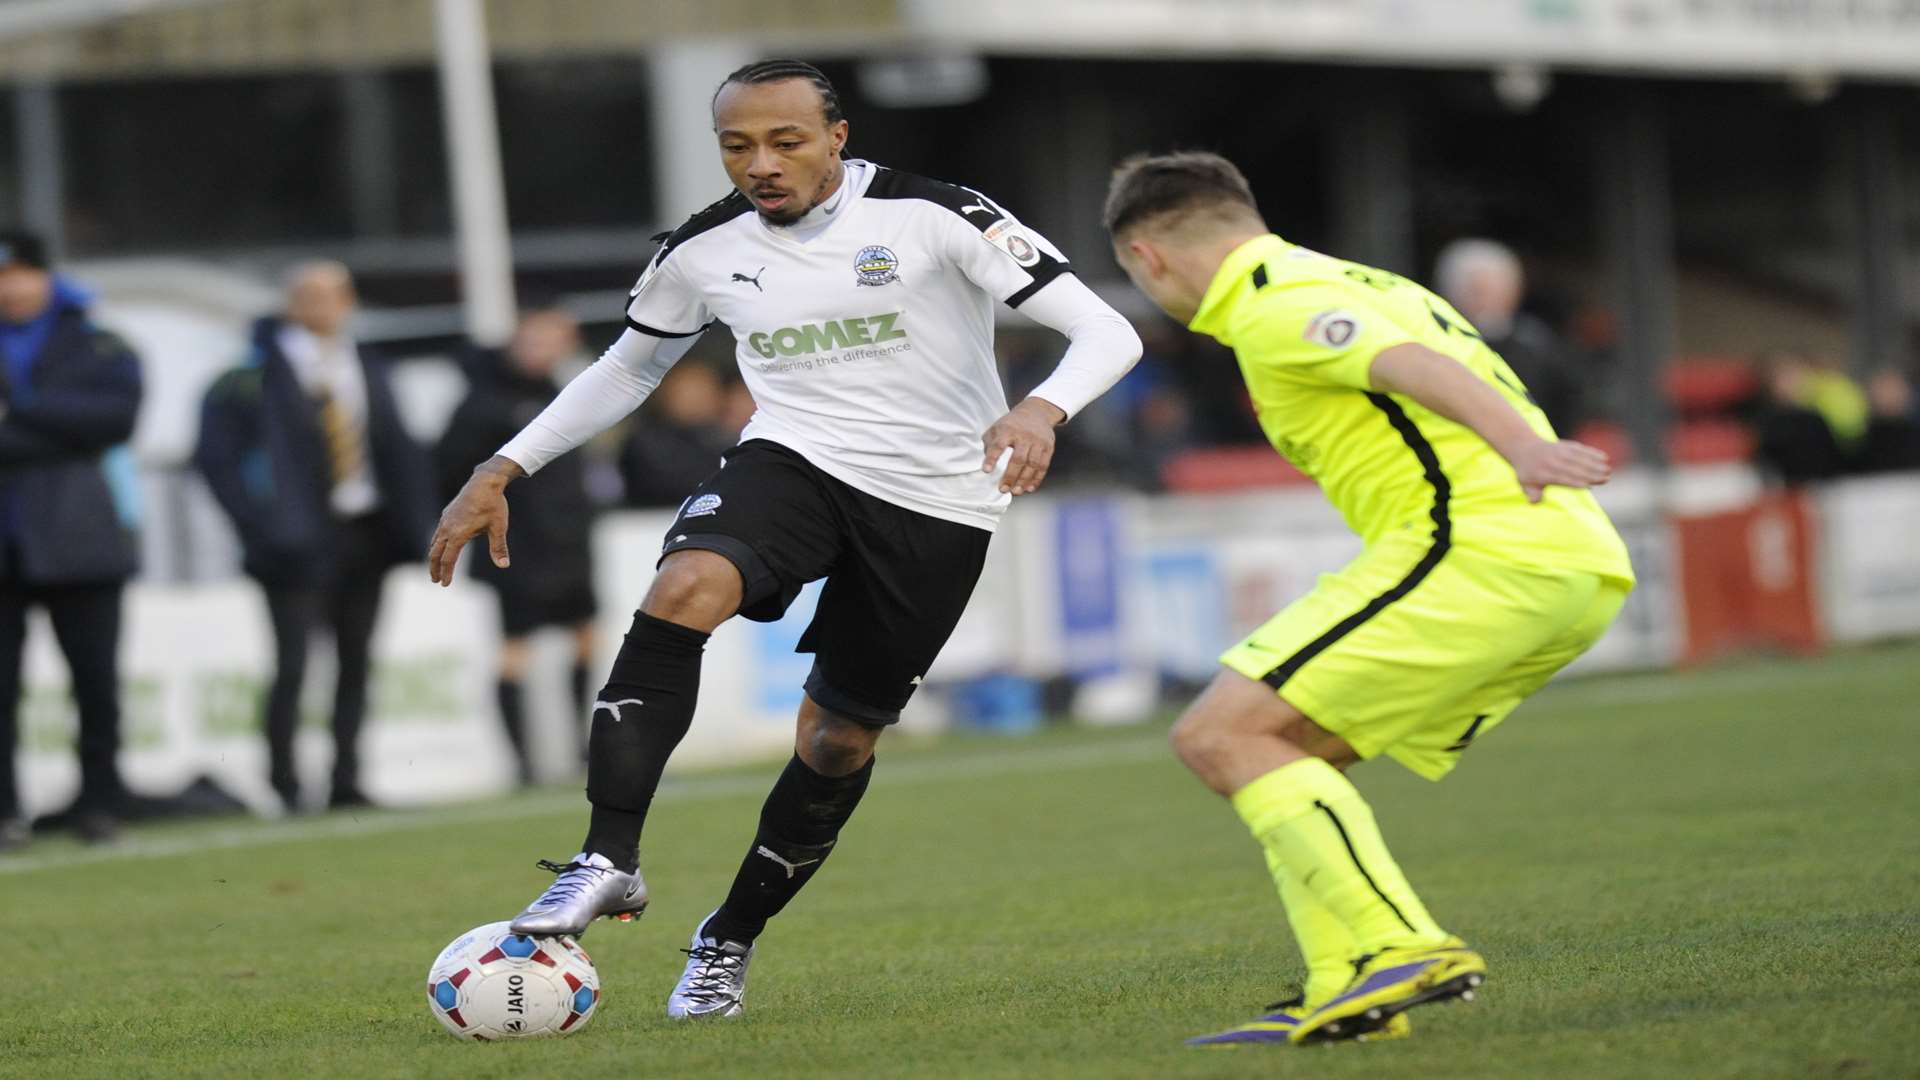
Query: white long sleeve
point(597, 398)
point(1102, 345)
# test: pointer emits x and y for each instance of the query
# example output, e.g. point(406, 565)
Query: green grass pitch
point(1705, 874)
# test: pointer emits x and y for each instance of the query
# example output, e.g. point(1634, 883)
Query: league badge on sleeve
point(1334, 329)
point(876, 265)
point(1007, 235)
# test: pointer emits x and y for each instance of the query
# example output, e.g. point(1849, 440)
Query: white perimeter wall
point(1116, 590)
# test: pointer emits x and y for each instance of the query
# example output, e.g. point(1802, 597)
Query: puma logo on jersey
point(614, 707)
point(753, 281)
point(981, 207)
point(791, 868)
point(815, 337)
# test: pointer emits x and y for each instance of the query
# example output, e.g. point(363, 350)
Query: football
point(494, 984)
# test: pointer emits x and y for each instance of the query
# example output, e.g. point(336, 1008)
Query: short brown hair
point(1148, 186)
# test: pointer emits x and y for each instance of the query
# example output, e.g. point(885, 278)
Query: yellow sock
point(1310, 819)
point(1325, 943)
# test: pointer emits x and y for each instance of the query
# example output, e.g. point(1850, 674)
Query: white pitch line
point(380, 822)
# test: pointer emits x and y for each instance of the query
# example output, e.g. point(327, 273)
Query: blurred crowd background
point(1693, 229)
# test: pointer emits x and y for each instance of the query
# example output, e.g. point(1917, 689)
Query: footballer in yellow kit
point(1488, 567)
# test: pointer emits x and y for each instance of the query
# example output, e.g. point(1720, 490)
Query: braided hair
point(766, 71)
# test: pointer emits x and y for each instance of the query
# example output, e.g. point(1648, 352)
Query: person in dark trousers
point(555, 585)
point(303, 447)
point(69, 393)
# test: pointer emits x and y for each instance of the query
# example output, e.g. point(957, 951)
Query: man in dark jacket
point(1486, 282)
point(554, 584)
point(303, 447)
point(679, 441)
point(1892, 442)
point(68, 394)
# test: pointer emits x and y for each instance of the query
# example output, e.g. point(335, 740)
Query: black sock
point(513, 716)
point(577, 684)
point(798, 826)
point(640, 716)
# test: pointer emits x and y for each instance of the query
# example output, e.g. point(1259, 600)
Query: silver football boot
point(588, 886)
point(715, 982)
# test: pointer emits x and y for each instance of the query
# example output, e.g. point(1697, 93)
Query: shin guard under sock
point(1312, 821)
point(798, 827)
point(641, 714)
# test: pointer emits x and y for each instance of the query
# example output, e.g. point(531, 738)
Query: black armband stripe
point(1044, 274)
point(655, 331)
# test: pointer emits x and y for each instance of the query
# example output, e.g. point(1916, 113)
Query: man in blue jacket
point(303, 447)
point(69, 393)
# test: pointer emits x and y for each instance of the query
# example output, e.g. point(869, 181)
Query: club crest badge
point(703, 506)
point(876, 265)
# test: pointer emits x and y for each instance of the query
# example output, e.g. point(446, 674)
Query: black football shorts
point(897, 580)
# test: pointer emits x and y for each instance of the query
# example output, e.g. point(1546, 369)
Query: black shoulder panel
point(974, 208)
point(714, 216)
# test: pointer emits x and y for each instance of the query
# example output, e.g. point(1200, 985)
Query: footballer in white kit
point(882, 454)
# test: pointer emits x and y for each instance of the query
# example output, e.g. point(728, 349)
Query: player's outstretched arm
point(481, 506)
point(1445, 386)
point(1102, 346)
point(599, 398)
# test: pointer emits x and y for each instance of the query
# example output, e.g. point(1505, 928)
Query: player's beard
point(789, 214)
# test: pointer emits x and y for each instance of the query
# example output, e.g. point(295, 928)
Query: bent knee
point(694, 588)
point(833, 745)
point(1199, 736)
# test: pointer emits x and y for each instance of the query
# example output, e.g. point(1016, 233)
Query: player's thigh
point(888, 607)
point(768, 513)
point(1436, 747)
point(1380, 648)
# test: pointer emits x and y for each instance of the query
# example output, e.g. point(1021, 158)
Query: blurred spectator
point(739, 407)
point(1892, 441)
point(1795, 444)
point(1484, 280)
point(1828, 390)
point(551, 583)
point(303, 447)
point(678, 441)
point(68, 394)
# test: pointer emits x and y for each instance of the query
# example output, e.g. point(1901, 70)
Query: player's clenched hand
point(480, 507)
point(1028, 432)
point(1568, 464)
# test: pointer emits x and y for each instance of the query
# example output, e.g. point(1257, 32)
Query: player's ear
point(837, 135)
point(1148, 256)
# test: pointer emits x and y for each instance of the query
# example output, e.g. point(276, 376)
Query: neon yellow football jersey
point(1306, 327)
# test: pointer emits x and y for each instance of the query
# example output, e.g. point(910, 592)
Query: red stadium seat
point(1709, 442)
point(1229, 469)
point(1609, 438)
point(1703, 385)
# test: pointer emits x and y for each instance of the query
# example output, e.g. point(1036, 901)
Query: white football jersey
point(868, 345)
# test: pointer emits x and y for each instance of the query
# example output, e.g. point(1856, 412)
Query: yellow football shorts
point(1416, 657)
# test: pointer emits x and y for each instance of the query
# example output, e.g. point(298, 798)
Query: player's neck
point(1200, 262)
point(821, 213)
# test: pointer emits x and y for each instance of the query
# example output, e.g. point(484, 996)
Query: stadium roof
point(80, 39)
